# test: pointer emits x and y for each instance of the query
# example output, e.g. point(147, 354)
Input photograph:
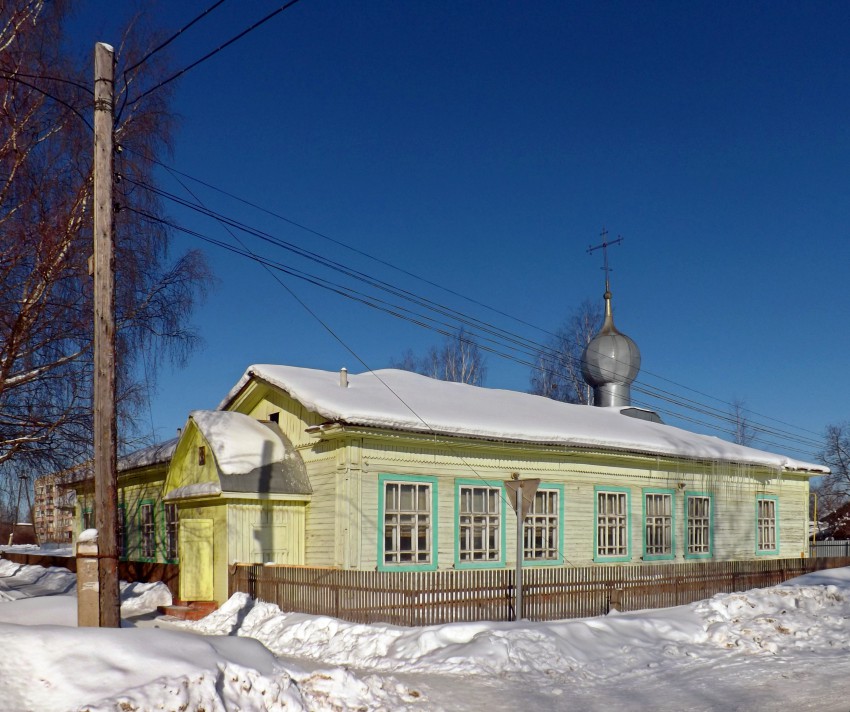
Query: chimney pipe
point(343, 377)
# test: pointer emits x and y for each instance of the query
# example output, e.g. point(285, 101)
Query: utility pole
point(522, 493)
point(105, 425)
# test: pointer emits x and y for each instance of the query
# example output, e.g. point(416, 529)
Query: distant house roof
point(151, 455)
point(402, 400)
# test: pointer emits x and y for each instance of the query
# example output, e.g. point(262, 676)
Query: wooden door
point(196, 559)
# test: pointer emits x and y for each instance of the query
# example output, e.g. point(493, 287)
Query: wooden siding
point(418, 598)
point(135, 488)
point(733, 489)
point(270, 532)
point(185, 468)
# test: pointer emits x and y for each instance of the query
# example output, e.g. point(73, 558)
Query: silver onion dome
point(610, 363)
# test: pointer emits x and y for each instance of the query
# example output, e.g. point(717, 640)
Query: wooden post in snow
point(105, 425)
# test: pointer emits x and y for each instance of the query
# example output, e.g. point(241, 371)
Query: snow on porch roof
point(240, 443)
point(401, 400)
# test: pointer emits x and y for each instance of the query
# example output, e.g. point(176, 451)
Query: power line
point(472, 300)
point(173, 37)
point(445, 329)
point(470, 321)
point(159, 47)
point(10, 74)
point(214, 52)
point(64, 103)
point(644, 371)
point(342, 342)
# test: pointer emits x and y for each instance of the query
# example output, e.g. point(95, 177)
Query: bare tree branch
point(557, 374)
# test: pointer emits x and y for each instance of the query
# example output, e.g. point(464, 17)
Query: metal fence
point(415, 598)
point(830, 548)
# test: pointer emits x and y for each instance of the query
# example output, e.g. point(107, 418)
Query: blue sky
point(485, 145)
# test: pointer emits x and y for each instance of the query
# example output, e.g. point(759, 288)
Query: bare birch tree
point(458, 359)
point(743, 431)
point(834, 489)
point(46, 240)
point(557, 373)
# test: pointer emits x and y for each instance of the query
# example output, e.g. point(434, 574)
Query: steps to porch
point(188, 610)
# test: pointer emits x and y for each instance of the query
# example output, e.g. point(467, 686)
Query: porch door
point(195, 539)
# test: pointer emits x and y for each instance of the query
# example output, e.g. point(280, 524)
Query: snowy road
point(782, 648)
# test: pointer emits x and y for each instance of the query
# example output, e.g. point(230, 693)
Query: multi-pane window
point(612, 524)
point(766, 525)
point(541, 529)
point(699, 525)
point(407, 523)
point(658, 523)
point(148, 531)
point(122, 535)
point(171, 532)
point(479, 524)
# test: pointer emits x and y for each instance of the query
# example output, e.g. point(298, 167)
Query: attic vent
point(343, 377)
point(274, 417)
point(642, 414)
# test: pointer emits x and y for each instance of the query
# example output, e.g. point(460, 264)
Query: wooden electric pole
point(105, 425)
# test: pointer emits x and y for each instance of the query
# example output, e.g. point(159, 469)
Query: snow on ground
point(785, 647)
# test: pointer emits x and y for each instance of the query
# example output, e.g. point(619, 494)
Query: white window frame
point(542, 527)
point(480, 532)
point(122, 532)
point(698, 526)
point(171, 529)
point(767, 524)
point(407, 537)
point(147, 525)
point(613, 524)
point(658, 525)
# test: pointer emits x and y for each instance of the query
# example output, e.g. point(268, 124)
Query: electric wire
point(483, 326)
point(173, 37)
point(156, 49)
point(249, 253)
point(214, 52)
point(651, 390)
point(10, 74)
point(396, 311)
point(317, 233)
point(644, 372)
point(51, 96)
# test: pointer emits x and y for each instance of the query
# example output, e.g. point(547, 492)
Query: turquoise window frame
point(710, 553)
point(672, 493)
point(383, 479)
point(559, 560)
point(143, 503)
point(614, 490)
point(775, 500)
point(495, 484)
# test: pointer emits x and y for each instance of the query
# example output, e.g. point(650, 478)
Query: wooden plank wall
point(415, 598)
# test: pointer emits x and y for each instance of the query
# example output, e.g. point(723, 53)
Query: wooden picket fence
point(830, 547)
point(416, 598)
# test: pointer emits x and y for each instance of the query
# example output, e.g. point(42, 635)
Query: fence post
point(615, 598)
point(88, 582)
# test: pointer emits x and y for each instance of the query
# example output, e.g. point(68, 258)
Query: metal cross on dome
point(604, 246)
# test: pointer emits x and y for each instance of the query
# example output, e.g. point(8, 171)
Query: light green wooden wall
point(341, 518)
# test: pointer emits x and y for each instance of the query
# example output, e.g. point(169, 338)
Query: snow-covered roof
point(239, 443)
point(402, 400)
point(152, 455)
